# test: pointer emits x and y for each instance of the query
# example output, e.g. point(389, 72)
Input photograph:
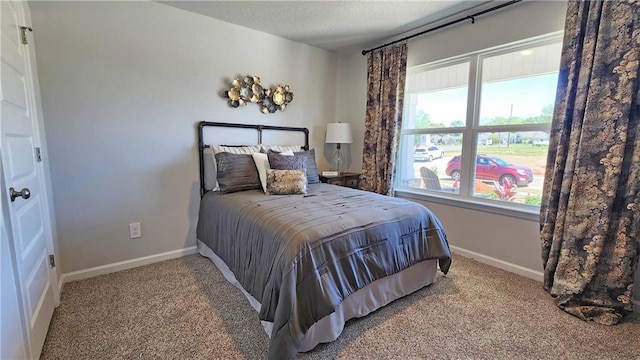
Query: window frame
point(471, 130)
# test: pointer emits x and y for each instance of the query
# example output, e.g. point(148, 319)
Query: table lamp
point(338, 133)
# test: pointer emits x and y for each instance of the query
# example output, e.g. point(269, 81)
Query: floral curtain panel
point(387, 69)
point(590, 213)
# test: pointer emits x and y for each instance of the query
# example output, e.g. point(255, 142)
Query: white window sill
point(494, 207)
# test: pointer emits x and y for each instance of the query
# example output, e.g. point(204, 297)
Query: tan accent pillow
point(286, 182)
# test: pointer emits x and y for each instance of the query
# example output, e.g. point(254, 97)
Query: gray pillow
point(312, 167)
point(210, 181)
point(236, 172)
point(287, 162)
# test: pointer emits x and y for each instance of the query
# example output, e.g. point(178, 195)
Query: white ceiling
point(342, 26)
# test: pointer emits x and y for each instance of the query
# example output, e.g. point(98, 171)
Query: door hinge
point(38, 154)
point(52, 261)
point(23, 33)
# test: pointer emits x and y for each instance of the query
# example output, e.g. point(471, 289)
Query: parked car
point(428, 153)
point(493, 168)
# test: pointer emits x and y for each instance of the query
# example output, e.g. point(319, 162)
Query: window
point(476, 127)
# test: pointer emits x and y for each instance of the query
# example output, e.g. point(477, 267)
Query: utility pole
point(509, 133)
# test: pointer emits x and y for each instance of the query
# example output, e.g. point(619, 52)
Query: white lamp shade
point(339, 133)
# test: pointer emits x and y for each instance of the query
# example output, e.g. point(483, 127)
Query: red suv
point(493, 168)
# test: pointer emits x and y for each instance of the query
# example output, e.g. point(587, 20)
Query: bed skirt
point(362, 302)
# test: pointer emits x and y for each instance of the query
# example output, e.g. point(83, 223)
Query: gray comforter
point(301, 255)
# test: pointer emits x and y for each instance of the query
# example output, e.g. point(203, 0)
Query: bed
point(310, 262)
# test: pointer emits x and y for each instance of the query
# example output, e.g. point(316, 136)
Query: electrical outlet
point(135, 231)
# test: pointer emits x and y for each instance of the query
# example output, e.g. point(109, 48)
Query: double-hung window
point(476, 127)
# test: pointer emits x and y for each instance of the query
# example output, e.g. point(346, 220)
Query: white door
point(13, 343)
point(28, 229)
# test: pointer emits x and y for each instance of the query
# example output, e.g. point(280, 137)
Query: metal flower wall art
point(244, 90)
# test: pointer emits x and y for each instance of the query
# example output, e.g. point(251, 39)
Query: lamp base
point(337, 162)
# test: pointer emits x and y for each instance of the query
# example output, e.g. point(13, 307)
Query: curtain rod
point(469, 17)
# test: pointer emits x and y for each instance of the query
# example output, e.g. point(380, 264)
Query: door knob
point(24, 193)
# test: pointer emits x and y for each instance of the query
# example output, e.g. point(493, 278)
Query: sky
point(527, 95)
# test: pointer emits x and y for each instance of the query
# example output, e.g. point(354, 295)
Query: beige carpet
point(184, 309)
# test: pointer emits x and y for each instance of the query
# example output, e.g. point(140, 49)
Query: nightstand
point(346, 179)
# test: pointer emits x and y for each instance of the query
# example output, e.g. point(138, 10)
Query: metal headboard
point(258, 128)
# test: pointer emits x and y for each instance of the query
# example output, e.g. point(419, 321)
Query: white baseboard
point(60, 285)
point(517, 269)
point(124, 265)
point(145, 260)
point(501, 264)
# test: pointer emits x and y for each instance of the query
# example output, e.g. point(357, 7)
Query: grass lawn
point(514, 149)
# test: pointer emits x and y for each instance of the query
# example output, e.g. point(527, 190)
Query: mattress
point(301, 256)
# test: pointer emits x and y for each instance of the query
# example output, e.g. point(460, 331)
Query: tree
point(546, 114)
point(423, 120)
point(547, 110)
point(457, 123)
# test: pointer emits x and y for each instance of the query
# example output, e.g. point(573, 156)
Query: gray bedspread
point(301, 255)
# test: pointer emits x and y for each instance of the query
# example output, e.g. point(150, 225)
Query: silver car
point(427, 153)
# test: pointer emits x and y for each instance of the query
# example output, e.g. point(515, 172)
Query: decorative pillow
point(236, 172)
point(280, 148)
point(209, 160)
point(241, 149)
point(286, 162)
point(262, 164)
point(284, 152)
point(210, 166)
point(312, 167)
point(286, 182)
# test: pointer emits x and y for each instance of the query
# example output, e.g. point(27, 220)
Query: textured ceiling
point(342, 26)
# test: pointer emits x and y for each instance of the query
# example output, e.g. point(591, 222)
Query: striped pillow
point(243, 149)
point(280, 148)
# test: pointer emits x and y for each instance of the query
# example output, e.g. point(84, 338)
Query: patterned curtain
point(590, 213)
point(387, 69)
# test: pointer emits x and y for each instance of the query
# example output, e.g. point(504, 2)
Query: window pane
point(520, 87)
point(425, 159)
point(437, 98)
point(511, 166)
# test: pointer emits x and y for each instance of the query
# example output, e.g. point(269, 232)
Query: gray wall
point(351, 103)
point(495, 237)
point(123, 85)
